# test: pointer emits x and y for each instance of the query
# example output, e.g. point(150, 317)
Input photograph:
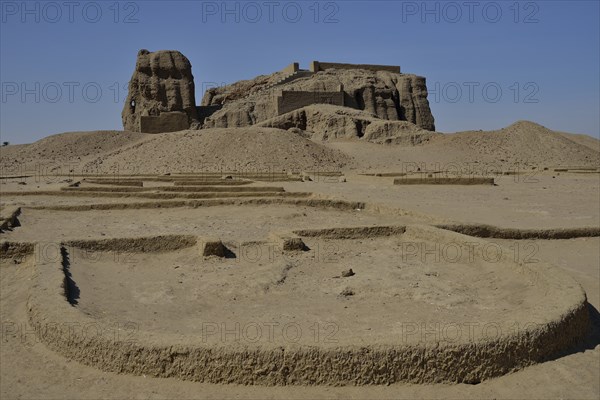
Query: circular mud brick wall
point(422, 305)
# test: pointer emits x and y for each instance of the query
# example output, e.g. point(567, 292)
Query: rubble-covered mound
point(324, 122)
point(68, 150)
point(294, 146)
point(162, 82)
point(250, 148)
point(523, 142)
point(521, 146)
point(386, 95)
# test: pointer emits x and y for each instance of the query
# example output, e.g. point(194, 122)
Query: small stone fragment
point(347, 273)
point(214, 248)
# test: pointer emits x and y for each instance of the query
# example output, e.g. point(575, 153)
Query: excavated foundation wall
point(10, 250)
point(163, 355)
point(311, 202)
point(8, 217)
point(444, 181)
point(62, 327)
point(488, 231)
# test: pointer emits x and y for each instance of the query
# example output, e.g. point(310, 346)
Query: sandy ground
point(301, 295)
point(220, 221)
point(541, 199)
point(30, 370)
point(576, 375)
point(544, 199)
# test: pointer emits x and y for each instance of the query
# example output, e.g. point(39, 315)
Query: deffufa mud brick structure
point(161, 95)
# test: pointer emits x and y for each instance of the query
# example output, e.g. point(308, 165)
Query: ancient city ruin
point(161, 95)
point(307, 228)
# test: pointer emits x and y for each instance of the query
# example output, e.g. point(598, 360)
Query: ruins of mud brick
point(553, 300)
point(161, 95)
point(383, 361)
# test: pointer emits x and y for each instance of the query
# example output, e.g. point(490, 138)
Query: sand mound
point(584, 140)
point(243, 149)
point(523, 142)
point(519, 147)
point(65, 148)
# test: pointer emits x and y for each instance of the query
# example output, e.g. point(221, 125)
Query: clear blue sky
point(542, 55)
